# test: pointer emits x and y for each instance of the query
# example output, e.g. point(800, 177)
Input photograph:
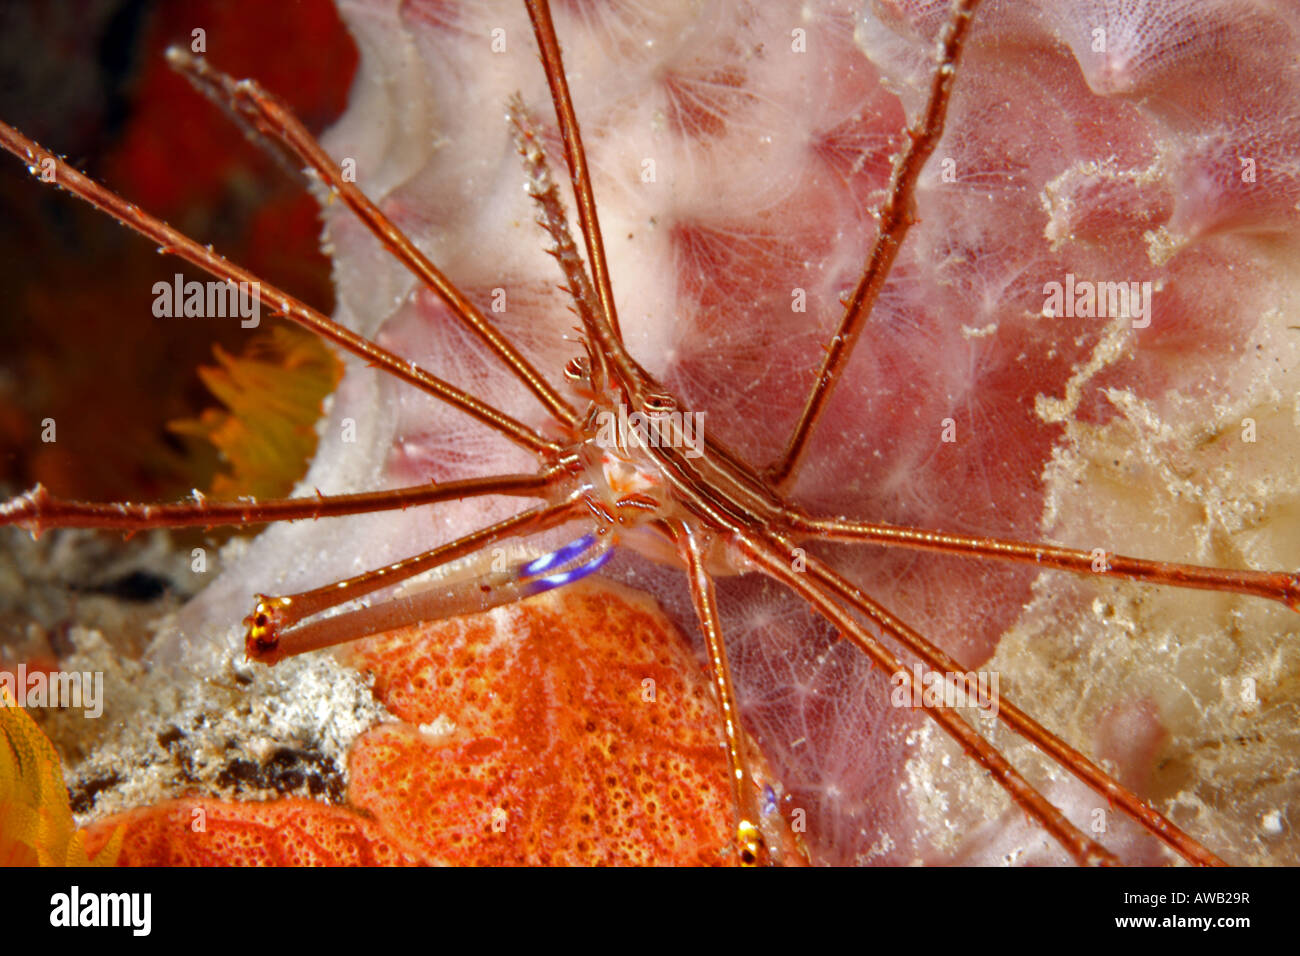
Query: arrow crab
point(925, 384)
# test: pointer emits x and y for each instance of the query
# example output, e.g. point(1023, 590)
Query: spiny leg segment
point(552, 218)
point(606, 337)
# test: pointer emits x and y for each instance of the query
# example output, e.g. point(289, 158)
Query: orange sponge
point(577, 727)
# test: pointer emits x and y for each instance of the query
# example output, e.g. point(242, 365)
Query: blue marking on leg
point(558, 558)
point(572, 574)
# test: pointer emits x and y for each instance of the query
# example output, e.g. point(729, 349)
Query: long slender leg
point(753, 849)
point(37, 511)
point(284, 304)
point(275, 630)
point(1065, 755)
point(896, 217)
point(769, 558)
point(271, 117)
point(434, 603)
point(1274, 585)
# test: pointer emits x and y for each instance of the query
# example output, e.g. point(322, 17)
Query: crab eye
point(659, 403)
point(576, 369)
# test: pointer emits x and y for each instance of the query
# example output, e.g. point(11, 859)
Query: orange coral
point(576, 727)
